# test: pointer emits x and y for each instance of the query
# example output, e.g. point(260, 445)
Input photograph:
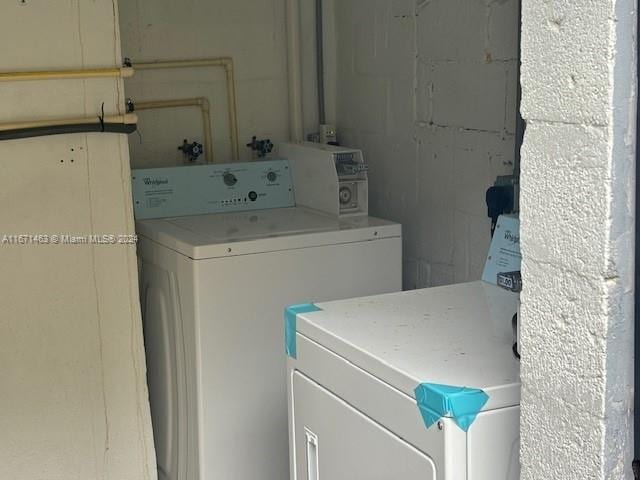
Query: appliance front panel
point(212, 188)
point(334, 441)
point(493, 444)
point(242, 364)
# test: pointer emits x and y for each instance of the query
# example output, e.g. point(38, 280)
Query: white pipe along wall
point(73, 390)
point(578, 173)
point(253, 33)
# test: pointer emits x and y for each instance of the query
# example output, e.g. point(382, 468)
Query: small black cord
point(515, 350)
point(101, 118)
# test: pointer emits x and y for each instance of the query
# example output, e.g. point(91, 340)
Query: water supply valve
point(191, 150)
point(261, 147)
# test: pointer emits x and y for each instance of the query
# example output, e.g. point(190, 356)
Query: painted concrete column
point(73, 394)
point(577, 236)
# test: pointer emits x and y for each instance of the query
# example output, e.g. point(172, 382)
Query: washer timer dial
point(230, 179)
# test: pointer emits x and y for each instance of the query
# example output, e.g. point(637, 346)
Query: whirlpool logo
point(512, 237)
point(156, 182)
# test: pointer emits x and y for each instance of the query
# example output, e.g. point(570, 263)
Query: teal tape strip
point(459, 403)
point(290, 320)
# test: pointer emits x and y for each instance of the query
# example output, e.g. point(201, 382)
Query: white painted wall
point(73, 397)
point(429, 93)
point(252, 32)
point(578, 239)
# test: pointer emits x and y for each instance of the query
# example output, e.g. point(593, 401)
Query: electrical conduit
point(322, 116)
point(296, 129)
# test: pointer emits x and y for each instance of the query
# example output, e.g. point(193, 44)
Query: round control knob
point(253, 196)
point(230, 179)
point(345, 195)
point(272, 176)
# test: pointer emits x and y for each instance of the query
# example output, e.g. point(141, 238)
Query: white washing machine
point(213, 288)
point(419, 385)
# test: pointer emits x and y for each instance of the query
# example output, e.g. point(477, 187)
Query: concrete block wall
point(579, 101)
point(428, 91)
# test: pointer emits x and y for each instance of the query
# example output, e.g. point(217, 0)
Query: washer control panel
point(204, 189)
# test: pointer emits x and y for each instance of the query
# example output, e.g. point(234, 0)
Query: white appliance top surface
point(459, 335)
point(224, 234)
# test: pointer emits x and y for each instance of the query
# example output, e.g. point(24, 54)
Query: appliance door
point(239, 331)
point(334, 441)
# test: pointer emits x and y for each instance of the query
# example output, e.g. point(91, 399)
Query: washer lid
point(228, 234)
point(460, 335)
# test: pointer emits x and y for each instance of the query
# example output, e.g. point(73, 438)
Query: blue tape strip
point(290, 318)
point(459, 403)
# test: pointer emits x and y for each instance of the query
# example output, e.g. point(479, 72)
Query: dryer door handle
point(312, 454)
